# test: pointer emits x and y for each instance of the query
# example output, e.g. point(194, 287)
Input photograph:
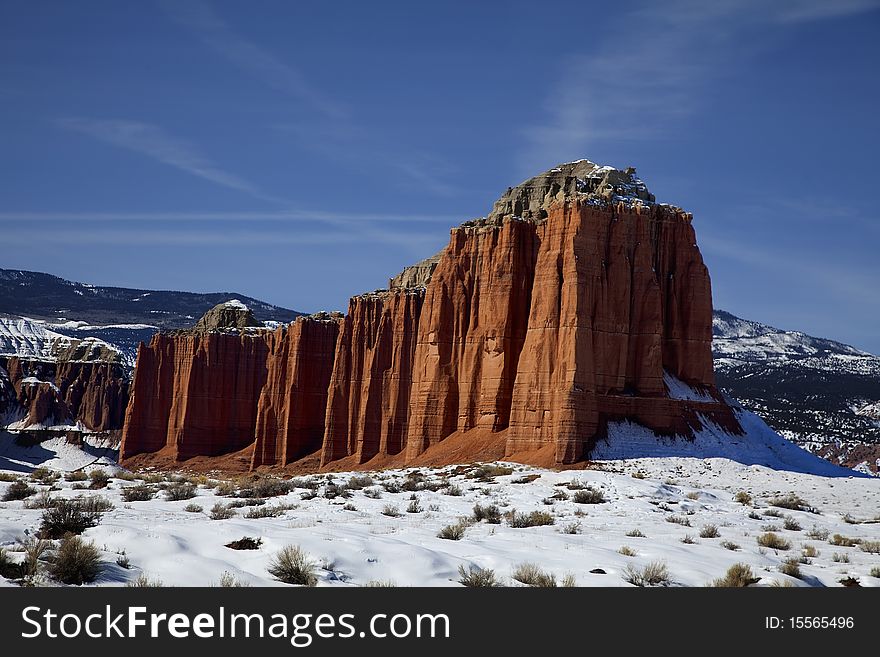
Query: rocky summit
point(578, 301)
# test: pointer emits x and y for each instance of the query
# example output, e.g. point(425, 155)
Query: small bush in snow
point(222, 511)
point(76, 475)
point(730, 545)
point(818, 534)
point(45, 475)
point(627, 551)
point(391, 511)
point(358, 482)
point(688, 539)
point(453, 532)
point(76, 562)
point(875, 571)
point(519, 520)
point(144, 582)
point(773, 541)
point(293, 566)
point(138, 493)
point(843, 541)
point(477, 577)
point(679, 520)
point(791, 567)
point(791, 501)
point(709, 531)
point(809, 551)
point(414, 507)
point(18, 490)
point(531, 575)
point(572, 528)
point(95, 504)
point(179, 491)
point(100, 478)
point(654, 574)
point(373, 493)
point(67, 517)
point(453, 490)
point(871, 547)
point(193, 508)
point(738, 575)
point(635, 533)
point(588, 496)
point(743, 498)
point(229, 581)
point(840, 558)
point(489, 513)
point(245, 543)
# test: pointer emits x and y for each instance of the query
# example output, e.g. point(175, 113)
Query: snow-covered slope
point(32, 339)
point(355, 538)
point(811, 390)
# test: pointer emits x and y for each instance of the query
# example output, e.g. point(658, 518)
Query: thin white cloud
point(248, 56)
point(153, 142)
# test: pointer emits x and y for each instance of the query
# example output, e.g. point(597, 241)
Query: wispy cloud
point(644, 73)
point(213, 31)
point(153, 142)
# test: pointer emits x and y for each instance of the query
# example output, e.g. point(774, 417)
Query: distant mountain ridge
point(819, 393)
point(43, 296)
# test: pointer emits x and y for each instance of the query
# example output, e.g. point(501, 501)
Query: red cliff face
point(293, 401)
point(369, 398)
point(567, 307)
point(93, 393)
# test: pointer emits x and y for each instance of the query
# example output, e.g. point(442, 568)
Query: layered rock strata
point(566, 307)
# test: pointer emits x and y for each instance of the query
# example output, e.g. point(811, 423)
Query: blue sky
point(305, 152)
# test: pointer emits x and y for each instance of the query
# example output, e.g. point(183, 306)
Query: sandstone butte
point(571, 304)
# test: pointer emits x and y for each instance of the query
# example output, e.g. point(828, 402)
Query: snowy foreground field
point(386, 527)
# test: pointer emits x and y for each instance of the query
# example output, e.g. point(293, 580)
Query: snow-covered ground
point(353, 543)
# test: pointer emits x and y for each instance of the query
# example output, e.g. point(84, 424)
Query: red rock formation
point(558, 312)
point(293, 403)
point(93, 393)
point(369, 398)
point(195, 394)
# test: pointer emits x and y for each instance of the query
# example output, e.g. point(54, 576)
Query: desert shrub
point(373, 493)
point(229, 581)
point(392, 487)
point(123, 561)
point(245, 543)
point(178, 491)
point(688, 540)
point(843, 541)
point(99, 478)
point(533, 519)
point(635, 533)
point(42, 500)
point(477, 577)
point(489, 472)
point(730, 545)
point(490, 513)
point(358, 482)
point(222, 511)
point(138, 493)
point(273, 511)
point(679, 520)
point(226, 488)
point(266, 487)
point(791, 524)
point(8, 568)
point(247, 502)
point(531, 575)
point(349, 507)
point(773, 541)
point(627, 551)
point(76, 562)
point(453, 532)
point(391, 511)
point(44, 475)
point(790, 501)
point(588, 496)
point(453, 489)
point(791, 567)
point(67, 517)
point(743, 498)
point(572, 528)
point(380, 584)
point(738, 575)
point(18, 490)
point(8, 477)
point(875, 571)
point(754, 516)
point(654, 574)
point(308, 495)
point(770, 528)
point(193, 508)
point(809, 551)
point(525, 479)
point(709, 531)
point(332, 491)
point(293, 566)
point(568, 581)
point(871, 547)
point(76, 475)
point(694, 495)
point(786, 584)
point(850, 520)
point(414, 507)
point(773, 513)
point(144, 582)
point(840, 557)
point(818, 533)
point(95, 504)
